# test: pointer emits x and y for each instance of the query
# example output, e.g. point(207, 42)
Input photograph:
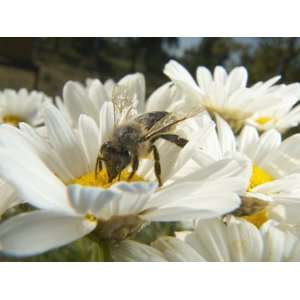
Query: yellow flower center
point(258, 218)
point(101, 179)
point(259, 176)
point(263, 120)
point(12, 120)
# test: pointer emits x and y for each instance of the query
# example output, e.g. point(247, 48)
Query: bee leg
point(176, 139)
point(98, 166)
point(157, 168)
point(135, 166)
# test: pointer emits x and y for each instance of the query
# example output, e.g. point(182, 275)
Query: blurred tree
point(273, 56)
point(152, 52)
point(211, 52)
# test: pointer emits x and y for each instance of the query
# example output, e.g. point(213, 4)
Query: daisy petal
point(34, 183)
point(204, 78)
point(64, 141)
point(244, 240)
point(220, 74)
point(97, 93)
point(8, 197)
point(163, 97)
point(176, 250)
point(226, 136)
point(237, 78)
point(136, 85)
point(133, 251)
point(107, 121)
point(76, 102)
point(35, 232)
point(91, 200)
point(89, 136)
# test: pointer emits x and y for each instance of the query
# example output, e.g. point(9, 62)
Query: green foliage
point(84, 250)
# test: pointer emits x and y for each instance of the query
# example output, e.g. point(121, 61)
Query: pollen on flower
point(259, 218)
point(91, 218)
point(101, 179)
point(12, 120)
point(259, 176)
point(263, 120)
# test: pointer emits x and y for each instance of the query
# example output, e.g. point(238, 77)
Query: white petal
point(89, 135)
point(189, 201)
point(176, 250)
point(33, 181)
point(274, 240)
point(226, 136)
point(220, 74)
point(8, 197)
point(77, 102)
point(177, 72)
point(36, 232)
point(238, 169)
point(46, 153)
point(209, 239)
point(133, 199)
point(97, 93)
point(133, 251)
point(285, 159)
point(91, 200)
point(237, 241)
point(204, 78)
point(237, 78)
point(245, 242)
point(193, 149)
point(268, 141)
point(163, 97)
point(184, 81)
point(248, 140)
point(64, 141)
point(136, 85)
point(107, 122)
point(109, 85)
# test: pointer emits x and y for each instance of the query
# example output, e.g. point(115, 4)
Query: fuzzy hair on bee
point(134, 136)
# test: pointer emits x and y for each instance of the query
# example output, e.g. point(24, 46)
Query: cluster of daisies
point(233, 190)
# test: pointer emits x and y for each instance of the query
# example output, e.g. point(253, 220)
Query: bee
point(134, 136)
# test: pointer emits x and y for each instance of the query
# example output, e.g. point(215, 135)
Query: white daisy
point(58, 177)
point(213, 240)
point(275, 165)
point(16, 107)
point(284, 114)
point(266, 106)
point(21, 106)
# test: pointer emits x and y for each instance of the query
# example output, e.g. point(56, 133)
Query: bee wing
point(170, 120)
point(125, 106)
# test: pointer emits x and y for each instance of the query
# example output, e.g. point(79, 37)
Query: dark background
point(47, 63)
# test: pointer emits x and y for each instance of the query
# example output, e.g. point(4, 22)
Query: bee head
point(116, 159)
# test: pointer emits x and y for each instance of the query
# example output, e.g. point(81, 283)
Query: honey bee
point(134, 136)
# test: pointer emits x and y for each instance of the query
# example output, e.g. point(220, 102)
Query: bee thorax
point(128, 136)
